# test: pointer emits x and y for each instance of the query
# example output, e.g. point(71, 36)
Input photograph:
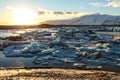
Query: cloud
point(58, 13)
point(98, 4)
point(72, 12)
point(46, 11)
point(41, 12)
point(10, 8)
point(115, 3)
point(68, 12)
point(44, 15)
point(110, 3)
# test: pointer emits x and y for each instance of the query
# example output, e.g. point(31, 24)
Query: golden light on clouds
point(22, 16)
point(45, 15)
point(29, 16)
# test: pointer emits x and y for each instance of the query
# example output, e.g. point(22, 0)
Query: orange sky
point(11, 13)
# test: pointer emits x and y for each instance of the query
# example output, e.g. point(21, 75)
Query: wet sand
point(57, 74)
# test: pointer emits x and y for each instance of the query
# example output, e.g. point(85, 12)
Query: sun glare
point(23, 17)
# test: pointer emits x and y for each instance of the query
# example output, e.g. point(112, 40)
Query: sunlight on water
point(8, 34)
point(20, 32)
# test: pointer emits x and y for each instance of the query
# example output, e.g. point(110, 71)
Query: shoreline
point(50, 26)
point(110, 68)
point(53, 74)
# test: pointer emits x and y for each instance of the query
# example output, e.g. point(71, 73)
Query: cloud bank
point(110, 3)
point(44, 15)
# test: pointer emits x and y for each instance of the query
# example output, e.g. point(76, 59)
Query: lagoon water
point(28, 62)
point(14, 61)
point(17, 61)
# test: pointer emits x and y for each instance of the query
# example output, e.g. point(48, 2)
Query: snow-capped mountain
point(93, 19)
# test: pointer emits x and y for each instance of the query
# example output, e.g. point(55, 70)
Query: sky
point(53, 9)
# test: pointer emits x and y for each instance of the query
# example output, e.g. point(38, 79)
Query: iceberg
point(22, 51)
point(88, 49)
point(16, 51)
point(48, 51)
point(55, 42)
point(32, 48)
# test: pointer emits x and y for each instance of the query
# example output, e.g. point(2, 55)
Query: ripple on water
point(15, 61)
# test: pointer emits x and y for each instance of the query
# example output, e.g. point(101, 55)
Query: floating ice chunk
point(98, 37)
point(81, 54)
point(96, 55)
point(48, 57)
point(68, 60)
point(43, 59)
point(102, 50)
point(16, 51)
point(48, 51)
point(99, 45)
point(22, 51)
point(79, 65)
point(32, 48)
point(93, 67)
point(88, 49)
point(56, 42)
point(64, 53)
point(9, 49)
point(34, 44)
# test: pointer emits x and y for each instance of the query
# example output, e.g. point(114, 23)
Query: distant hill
point(93, 19)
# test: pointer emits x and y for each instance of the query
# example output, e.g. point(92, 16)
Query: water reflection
point(20, 32)
point(2, 34)
point(14, 61)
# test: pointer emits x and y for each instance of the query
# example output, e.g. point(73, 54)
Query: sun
point(23, 16)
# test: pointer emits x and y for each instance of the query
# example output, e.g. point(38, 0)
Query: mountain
point(93, 19)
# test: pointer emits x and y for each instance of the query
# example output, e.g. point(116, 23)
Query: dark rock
point(97, 38)
point(89, 32)
point(97, 55)
point(78, 45)
point(3, 45)
point(116, 42)
point(14, 38)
